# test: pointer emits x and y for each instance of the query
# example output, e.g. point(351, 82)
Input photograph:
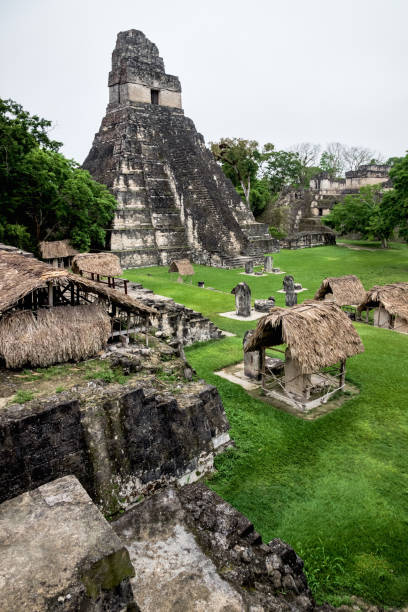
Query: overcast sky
point(281, 71)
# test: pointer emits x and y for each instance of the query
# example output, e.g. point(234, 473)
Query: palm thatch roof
point(343, 290)
point(56, 249)
point(317, 334)
point(104, 264)
point(20, 275)
point(53, 335)
point(392, 297)
point(182, 266)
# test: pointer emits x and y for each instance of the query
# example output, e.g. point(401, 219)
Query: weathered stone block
point(264, 305)
point(59, 553)
point(242, 294)
point(190, 545)
point(249, 267)
point(268, 265)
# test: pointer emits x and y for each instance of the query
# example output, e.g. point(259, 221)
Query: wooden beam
point(50, 294)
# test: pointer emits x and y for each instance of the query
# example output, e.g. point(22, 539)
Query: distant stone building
point(326, 192)
point(174, 200)
point(298, 212)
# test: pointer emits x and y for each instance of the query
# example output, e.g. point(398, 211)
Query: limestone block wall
point(118, 441)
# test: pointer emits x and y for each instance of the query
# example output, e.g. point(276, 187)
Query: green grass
point(336, 489)
point(21, 397)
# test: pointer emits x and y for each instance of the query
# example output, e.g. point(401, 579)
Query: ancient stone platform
point(119, 440)
point(174, 200)
point(192, 551)
point(59, 553)
point(233, 315)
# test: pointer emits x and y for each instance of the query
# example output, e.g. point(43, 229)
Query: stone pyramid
point(174, 200)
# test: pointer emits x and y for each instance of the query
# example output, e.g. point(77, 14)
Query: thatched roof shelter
point(182, 266)
point(343, 290)
point(393, 298)
point(317, 335)
point(104, 264)
point(20, 275)
point(54, 335)
point(57, 249)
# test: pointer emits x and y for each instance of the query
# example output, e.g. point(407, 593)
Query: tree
point(362, 213)
point(394, 204)
point(240, 160)
point(339, 158)
point(43, 195)
point(332, 160)
point(282, 169)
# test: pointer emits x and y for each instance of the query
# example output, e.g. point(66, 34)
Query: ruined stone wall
point(119, 441)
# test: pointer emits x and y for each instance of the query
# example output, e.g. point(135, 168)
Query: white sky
point(281, 71)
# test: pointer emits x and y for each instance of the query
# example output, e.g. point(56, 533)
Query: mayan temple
point(174, 200)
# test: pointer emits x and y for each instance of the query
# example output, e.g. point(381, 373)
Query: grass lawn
point(336, 489)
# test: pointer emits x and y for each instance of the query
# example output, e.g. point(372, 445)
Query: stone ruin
point(264, 305)
point(242, 294)
point(174, 201)
point(290, 290)
point(249, 267)
point(254, 360)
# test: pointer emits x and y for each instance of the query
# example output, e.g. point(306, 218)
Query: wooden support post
point(128, 323)
point(77, 294)
point(97, 277)
point(92, 276)
point(113, 282)
point(125, 282)
point(342, 372)
point(72, 294)
point(109, 282)
point(50, 294)
point(263, 367)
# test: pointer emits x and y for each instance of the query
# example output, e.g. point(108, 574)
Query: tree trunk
point(384, 243)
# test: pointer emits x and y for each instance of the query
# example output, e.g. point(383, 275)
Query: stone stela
point(254, 361)
point(242, 294)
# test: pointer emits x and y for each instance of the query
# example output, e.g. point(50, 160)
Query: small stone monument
point(298, 287)
point(264, 305)
point(268, 265)
point(290, 298)
point(289, 289)
point(249, 267)
point(242, 299)
point(253, 361)
point(201, 284)
point(288, 283)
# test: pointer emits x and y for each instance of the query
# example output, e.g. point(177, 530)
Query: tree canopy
point(43, 195)
point(363, 213)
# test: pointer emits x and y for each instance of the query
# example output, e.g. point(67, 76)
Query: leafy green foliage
point(394, 204)
point(363, 213)
point(283, 169)
point(21, 397)
point(50, 196)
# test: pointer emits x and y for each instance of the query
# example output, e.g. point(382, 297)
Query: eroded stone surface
point(121, 441)
point(59, 553)
point(192, 551)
